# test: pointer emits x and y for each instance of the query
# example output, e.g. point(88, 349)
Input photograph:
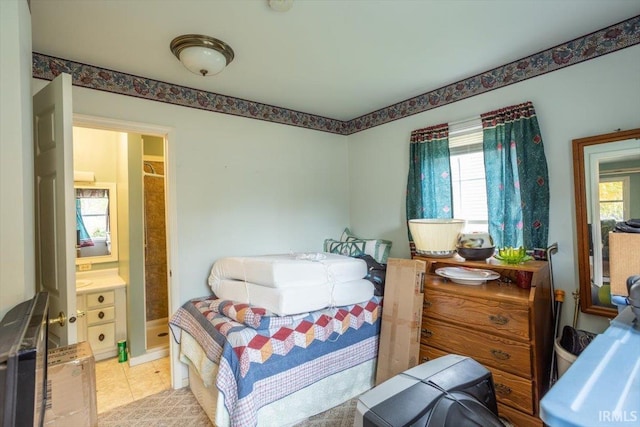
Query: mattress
point(289, 270)
point(294, 300)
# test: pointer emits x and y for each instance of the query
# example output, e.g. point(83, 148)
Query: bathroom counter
point(98, 280)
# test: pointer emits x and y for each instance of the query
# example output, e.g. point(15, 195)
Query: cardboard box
point(399, 347)
point(71, 387)
point(624, 260)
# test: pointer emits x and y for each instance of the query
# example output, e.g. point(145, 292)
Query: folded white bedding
point(289, 270)
point(294, 300)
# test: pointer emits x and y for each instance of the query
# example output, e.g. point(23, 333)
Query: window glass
point(611, 194)
point(468, 176)
point(94, 215)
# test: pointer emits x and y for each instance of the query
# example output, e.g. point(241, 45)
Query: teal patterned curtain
point(429, 181)
point(517, 178)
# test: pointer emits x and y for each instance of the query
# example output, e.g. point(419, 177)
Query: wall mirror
point(607, 190)
point(96, 222)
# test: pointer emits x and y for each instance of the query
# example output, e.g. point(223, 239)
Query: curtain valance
point(430, 133)
point(508, 114)
point(92, 193)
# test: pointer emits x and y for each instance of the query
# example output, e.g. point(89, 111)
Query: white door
point(55, 226)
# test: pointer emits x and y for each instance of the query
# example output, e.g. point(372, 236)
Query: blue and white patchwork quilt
point(263, 357)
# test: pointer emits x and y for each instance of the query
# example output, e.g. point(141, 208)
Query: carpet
point(180, 408)
point(165, 409)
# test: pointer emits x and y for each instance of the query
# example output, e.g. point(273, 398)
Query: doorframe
point(178, 370)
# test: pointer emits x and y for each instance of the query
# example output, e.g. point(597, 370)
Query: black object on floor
point(575, 340)
point(450, 391)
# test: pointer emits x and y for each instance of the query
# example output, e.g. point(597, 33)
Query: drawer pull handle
point(498, 319)
point(500, 355)
point(427, 333)
point(101, 337)
point(101, 298)
point(427, 303)
point(101, 315)
point(502, 389)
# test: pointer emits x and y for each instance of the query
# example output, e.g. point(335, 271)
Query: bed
point(251, 366)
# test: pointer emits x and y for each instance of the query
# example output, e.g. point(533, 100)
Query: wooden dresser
point(506, 328)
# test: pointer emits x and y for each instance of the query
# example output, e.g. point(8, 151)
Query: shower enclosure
point(155, 254)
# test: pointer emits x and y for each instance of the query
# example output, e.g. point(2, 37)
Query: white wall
point(591, 98)
point(17, 256)
point(94, 150)
point(242, 186)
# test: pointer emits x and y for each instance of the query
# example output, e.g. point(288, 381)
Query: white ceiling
point(335, 58)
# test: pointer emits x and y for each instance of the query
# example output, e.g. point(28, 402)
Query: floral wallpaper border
point(599, 43)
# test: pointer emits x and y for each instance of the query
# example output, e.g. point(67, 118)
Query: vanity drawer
point(510, 320)
point(98, 299)
point(510, 389)
point(102, 337)
point(101, 315)
point(490, 350)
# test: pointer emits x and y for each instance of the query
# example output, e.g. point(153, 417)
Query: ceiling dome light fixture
point(281, 5)
point(202, 55)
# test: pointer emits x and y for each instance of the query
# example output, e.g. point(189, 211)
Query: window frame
point(626, 194)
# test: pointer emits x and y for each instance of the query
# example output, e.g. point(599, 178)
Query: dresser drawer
point(510, 320)
point(98, 299)
point(100, 315)
point(493, 351)
point(517, 418)
point(510, 389)
point(102, 337)
point(429, 353)
point(513, 391)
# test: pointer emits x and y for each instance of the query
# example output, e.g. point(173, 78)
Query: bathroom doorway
point(118, 157)
point(131, 265)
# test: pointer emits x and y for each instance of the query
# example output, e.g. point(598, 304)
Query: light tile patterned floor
point(118, 383)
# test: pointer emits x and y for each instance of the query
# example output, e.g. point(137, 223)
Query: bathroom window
point(96, 225)
point(95, 215)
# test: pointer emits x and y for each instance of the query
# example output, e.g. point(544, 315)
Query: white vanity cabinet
point(104, 322)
